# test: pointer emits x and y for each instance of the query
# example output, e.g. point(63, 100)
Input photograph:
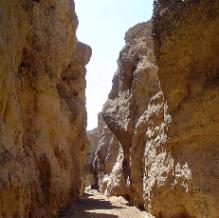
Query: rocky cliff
point(134, 84)
point(108, 178)
point(42, 107)
point(187, 50)
point(166, 117)
point(94, 136)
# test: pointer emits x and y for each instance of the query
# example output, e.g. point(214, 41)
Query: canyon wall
point(94, 136)
point(187, 51)
point(134, 84)
point(42, 107)
point(107, 162)
point(164, 112)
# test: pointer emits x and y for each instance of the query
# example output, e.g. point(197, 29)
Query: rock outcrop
point(107, 153)
point(134, 84)
point(94, 136)
point(166, 120)
point(187, 50)
point(42, 107)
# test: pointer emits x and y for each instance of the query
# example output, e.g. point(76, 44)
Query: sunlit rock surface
point(134, 84)
point(187, 50)
point(42, 107)
point(108, 152)
point(167, 126)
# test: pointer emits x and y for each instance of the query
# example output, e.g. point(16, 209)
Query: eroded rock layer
point(106, 176)
point(94, 137)
point(187, 50)
point(42, 107)
point(134, 83)
point(166, 120)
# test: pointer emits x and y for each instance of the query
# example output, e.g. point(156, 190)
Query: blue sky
point(102, 25)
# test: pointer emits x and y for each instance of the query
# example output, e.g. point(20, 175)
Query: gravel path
point(96, 205)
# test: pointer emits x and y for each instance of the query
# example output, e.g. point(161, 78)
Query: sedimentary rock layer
point(187, 50)
point(94, 137)
point(42, 107)
point(107, 153)
point(167, 127)
point(134, 83)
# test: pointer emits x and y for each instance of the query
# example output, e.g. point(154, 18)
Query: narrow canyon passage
point(97, 205)
point(156, 140)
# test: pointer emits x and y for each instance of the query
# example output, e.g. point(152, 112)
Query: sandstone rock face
point(134, 83)
point(107, 154)
point(183, 177)
point(94, 136)
point(42, 107)
point(167, 127)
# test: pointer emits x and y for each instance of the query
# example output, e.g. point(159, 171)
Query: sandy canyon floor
point(96, 205)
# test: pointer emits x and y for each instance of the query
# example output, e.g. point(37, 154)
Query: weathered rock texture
point(187, 50)
point(169, 133)
point(106, 155)
point(134, 83)
point(42, 107)
point(94, 137)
